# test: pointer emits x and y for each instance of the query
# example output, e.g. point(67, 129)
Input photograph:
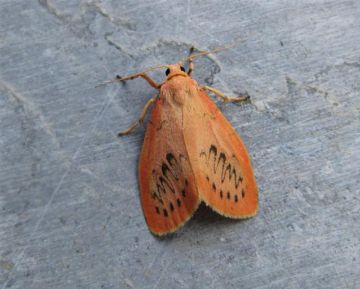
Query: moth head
point(175, 70)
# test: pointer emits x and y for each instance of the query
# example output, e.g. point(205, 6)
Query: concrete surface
point(70, 215)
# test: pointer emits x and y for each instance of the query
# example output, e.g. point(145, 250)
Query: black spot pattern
point(166, 180)
point(219, 164)
point(222, 167)
point(214, 187)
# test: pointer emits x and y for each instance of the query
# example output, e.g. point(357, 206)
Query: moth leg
point(191, 64)
point(140, 120)
point(140, 74)
point(225, 98)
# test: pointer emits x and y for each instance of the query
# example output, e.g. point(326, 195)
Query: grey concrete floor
point(70, 215)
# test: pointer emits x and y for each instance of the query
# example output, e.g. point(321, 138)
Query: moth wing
point(219, 159)
point(168, 192)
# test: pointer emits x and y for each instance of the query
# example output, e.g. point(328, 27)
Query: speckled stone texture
point(70, 215)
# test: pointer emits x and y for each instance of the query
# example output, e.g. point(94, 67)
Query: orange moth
point(191, 153)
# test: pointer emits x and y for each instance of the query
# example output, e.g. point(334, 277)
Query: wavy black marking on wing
point(165, 180)
point(221, 166)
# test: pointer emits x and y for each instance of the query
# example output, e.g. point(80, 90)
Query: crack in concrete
point(293, 88)
point(326, 95)
point(72, 22)
point(52, 10)
point(116, 45)
point(116, 21)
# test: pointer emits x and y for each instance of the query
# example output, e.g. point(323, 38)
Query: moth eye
point(182, 68)
point(167, 71)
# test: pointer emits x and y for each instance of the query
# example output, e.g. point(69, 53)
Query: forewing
point(168, 191)
point(220, 161)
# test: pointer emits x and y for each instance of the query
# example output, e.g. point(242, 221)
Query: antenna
point(215, 50)
point(130, 76)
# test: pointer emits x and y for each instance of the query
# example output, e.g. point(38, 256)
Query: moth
point(191, 153)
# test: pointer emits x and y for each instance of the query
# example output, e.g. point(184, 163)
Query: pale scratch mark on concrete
point(153, 261)
point(29, 109)
point(163, 272)
point(129, 283)
point(188, 13)
point(160, 256)
point(90, 173)
point(97, 118)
